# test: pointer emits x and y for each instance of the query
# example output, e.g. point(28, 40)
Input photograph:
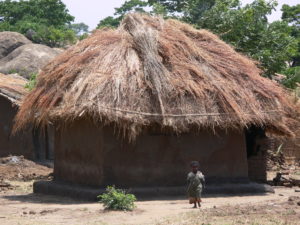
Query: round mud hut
point(31, 143)
point(12, 90)
point(133, 106)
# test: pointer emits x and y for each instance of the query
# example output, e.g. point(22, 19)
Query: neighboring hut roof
point(155, 71)
point(12, 87)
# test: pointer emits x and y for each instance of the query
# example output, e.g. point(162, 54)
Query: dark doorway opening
point(256, 144)
point(43, 143)
point(255, 141)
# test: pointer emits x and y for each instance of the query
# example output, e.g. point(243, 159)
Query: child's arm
point(203, 181)
point(188, 179)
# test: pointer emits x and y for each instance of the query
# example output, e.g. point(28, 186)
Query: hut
point(133, 106)
point(31, 143)
point(12, 89)
point(289, 147)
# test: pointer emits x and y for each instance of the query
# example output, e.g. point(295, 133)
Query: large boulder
point(9, 41)
point(27, 59)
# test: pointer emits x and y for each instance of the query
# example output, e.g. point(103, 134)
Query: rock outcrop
point(9, 41)
point(19, 55)
point(27, 59)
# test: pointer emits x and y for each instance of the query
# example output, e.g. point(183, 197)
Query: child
point(195, 181)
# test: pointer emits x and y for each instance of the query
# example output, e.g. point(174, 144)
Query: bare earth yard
point(278, 208)
point(19, 206)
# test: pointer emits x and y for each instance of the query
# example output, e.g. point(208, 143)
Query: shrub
point(117, 199)
point(32, 82)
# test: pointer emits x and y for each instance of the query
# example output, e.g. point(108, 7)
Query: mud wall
point(290, 147)
point(20, 144)
point(85, 154)
point(257, 167)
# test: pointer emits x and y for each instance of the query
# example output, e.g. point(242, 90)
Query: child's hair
point(194, 163)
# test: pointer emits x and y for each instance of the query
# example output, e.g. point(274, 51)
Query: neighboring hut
point(289, 147)
point(12, 89)
point(133, 106)
point(30, 144)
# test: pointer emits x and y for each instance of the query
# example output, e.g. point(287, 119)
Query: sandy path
point(40, 209)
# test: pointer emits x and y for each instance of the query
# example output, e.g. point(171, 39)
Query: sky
point(91, 12)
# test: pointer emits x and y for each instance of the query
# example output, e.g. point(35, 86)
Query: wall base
point(91, 193)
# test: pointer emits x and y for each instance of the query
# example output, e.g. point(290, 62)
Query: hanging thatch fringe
point(155, 71)
point(12, 87)
point(176, 115)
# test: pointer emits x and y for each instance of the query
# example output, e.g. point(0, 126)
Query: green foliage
point(131, 6)
point(127, 7)
point(292, 77)
point(172, 6)
point(80, 29)
point(194, 10)
point(109, 22)
point(48, 12)
point(83, 36)
point(248, 29)
point(291, 14)
point(117, 199)
point(158, 9)
point(42, 21)
point(53, 37)
point(12, 71)
point(32, 82)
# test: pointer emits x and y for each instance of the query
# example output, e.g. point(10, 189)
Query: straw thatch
point(12, 87)
point(155, 71)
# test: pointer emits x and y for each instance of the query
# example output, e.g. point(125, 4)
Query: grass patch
point(32, 82)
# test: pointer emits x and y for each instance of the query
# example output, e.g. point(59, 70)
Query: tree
point(131, 6)
point(247, 28)
point(51, 12)
point(81, 30)
point(109, 22)
point(194, 10)
point(291, 14)
point(128, 6)
point(292, 79)
point(43, 21)
point(172, 6)
point(191, 9)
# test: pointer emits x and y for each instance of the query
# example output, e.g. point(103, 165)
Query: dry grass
point(267, 214)
point(12, 87)
point(155, 71)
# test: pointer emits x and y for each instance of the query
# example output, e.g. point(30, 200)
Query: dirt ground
point(19, 206)
point(19, 168)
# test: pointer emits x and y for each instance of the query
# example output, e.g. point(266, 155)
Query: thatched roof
point(155, 71)
point(12, 87)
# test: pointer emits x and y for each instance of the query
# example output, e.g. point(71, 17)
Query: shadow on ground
point(55, 199)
